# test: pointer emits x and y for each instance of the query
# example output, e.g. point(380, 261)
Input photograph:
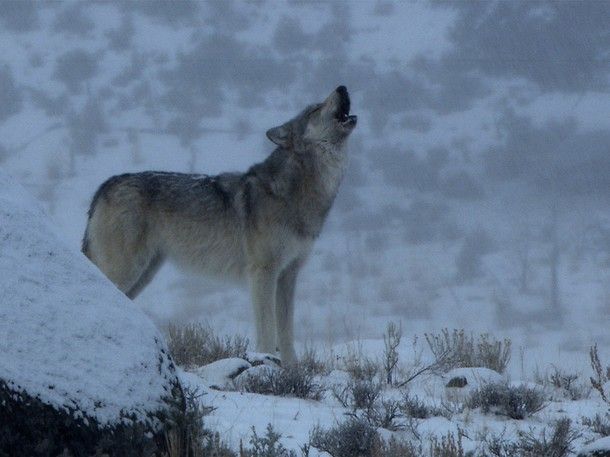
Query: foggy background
point(477, 194)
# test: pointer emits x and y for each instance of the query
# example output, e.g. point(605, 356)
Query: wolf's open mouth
point(342, 114)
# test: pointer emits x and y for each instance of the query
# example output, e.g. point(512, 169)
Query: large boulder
point(82, 368)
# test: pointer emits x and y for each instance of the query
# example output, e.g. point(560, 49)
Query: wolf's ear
point(280, 135)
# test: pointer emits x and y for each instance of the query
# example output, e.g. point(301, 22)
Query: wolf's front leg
point(284, 311)
point(263, 284)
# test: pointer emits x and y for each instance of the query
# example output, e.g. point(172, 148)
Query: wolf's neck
point(331, 162)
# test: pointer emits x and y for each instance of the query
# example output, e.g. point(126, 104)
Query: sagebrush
point(294, 380)
point(195, 344)
point(267, 445)
point(457, 349)
point(516, 402)
point(354, 437)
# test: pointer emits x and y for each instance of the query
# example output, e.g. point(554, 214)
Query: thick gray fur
point(257, 226)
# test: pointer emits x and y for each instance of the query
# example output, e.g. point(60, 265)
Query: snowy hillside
point(68, 336)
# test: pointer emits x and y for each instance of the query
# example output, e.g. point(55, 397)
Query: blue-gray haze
point(518, 93)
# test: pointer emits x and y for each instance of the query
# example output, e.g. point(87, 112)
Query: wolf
point(256, 227)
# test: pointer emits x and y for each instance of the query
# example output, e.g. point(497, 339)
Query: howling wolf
point(257, 226)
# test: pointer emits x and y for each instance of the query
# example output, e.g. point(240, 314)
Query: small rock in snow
point(458, 381)
point(220, 374)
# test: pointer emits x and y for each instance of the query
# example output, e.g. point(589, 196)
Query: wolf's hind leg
point(117, 243)
point(124, 271)
point(263, 284)
point(147, 275)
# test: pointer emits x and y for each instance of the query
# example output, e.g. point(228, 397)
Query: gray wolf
point(257, 227)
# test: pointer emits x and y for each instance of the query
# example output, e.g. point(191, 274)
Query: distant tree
point(555, 311)
point(75, 67)
point(469, 261)
point(461, 185)
point(133, 137)
point(19, 16)
point(523, 247)
point(84, 128)
point(11, 100)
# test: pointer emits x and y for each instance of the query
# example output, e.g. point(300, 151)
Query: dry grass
point(196, 344)
point(457, 349)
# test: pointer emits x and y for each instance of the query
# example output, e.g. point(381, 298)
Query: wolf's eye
point(315, 110)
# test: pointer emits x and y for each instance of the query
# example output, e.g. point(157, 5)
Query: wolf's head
point(328, 123)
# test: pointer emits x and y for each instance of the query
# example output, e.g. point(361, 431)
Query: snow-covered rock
point(220, 374)
point(69, 340)
point(459, 382)
point(471, 378)
point(263, 358)
point(258, 371)
point(598, 448)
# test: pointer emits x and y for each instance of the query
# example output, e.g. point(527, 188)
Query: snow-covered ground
point(238, 412)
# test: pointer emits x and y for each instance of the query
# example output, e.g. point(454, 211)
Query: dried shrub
point(529, 444)
point(361, 368)
point(599, 424)
point(567, 384)
point(601, 376)
point(417, 409)
point(514, 402)
point(313, 364)
point(391, 341)
point(354, 437)
point(358, 394)
point(398, 448)
point(196, 344)
point(457, 349)
point(446, 446)
point(267, 445)
point(559, 444)
point(386, 414)
point(294, 380)
point(185, 434)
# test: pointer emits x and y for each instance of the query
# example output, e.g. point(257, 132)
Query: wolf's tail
point(85, 244)
point(99, 193)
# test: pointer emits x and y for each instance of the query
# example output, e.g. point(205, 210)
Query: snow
point(237, 412)
point(602, 444)
point(67, 335)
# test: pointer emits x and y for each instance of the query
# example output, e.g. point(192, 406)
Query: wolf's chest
point(314, 199)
